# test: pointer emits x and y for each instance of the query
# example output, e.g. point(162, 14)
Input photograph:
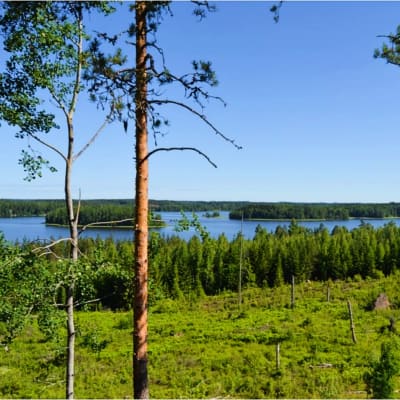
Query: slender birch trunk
point(72, 219)
point(73, 229)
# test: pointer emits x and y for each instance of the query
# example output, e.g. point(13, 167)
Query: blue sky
point(316, 114)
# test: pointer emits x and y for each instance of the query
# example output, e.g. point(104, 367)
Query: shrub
point(381, 377)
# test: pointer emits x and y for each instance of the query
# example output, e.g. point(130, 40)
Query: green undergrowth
point(218, 348)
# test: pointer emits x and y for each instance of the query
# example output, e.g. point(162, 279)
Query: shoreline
point(123, 227)
point(313, 219)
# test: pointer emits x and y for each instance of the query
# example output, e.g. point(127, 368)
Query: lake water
point(34, 228)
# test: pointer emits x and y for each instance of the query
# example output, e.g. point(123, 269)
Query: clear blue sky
point(317, 116)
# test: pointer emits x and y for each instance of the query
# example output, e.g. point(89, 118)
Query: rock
point(382, 302)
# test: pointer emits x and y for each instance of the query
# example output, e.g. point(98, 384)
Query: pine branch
point(179, 149)
point(201, 116)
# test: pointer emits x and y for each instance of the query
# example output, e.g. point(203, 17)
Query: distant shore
point(313, 219)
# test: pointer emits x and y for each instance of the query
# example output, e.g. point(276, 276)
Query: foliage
point(25, 288)
point(391, 51)
point(184, 223)
point(189, 269)
point(44, 41)
point(47, 55)
point(210, 349)
point(381, 377)
point(205, 265)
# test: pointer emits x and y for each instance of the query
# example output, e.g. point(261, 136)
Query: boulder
point(382, 302)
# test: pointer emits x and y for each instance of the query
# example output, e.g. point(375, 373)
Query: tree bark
point(70, 343)
point(73, 229)
point(140, 380)
point(72, 218)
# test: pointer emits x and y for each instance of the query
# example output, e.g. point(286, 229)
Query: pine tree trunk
point(140, 380)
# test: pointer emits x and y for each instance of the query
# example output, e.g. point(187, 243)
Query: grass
point(212, 348)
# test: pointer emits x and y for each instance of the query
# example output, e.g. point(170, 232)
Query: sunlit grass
point(214, 348)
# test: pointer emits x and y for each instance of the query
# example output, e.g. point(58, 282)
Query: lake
point(34, 228)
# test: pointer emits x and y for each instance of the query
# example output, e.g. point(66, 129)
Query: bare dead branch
point(84, 227)
point(179, 149)
point(77, 304)
point(201, 116)
point(49, 246)
point(96, 134)
point(49, 251)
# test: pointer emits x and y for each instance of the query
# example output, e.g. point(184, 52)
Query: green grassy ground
point(214, 349)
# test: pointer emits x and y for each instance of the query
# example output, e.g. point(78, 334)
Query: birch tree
point(45, 42)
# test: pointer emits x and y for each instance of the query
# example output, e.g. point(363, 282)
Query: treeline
point(26, 208)
point(103, 215)
point(193, 268)
point(320, 211)
point(284, 211)
point(33, 208)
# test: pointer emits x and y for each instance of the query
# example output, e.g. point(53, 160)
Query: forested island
point(102, 215)
point(316, 211)
point(211, 206)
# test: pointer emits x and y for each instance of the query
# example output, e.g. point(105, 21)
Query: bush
point(380, 380)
